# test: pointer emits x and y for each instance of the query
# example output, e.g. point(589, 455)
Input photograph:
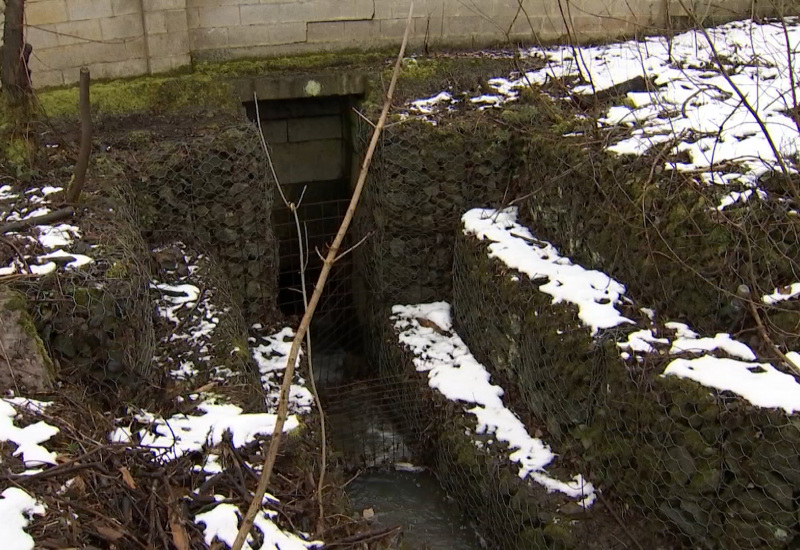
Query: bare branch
point(283, 404)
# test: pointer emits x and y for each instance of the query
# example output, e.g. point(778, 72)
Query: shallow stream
point(430, 519)
point(363, 437)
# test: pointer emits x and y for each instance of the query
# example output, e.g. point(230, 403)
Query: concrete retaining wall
point(118, 38)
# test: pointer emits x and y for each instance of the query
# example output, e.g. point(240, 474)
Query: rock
point(25, 366)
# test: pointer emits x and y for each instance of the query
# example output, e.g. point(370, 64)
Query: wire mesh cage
point(687, 466)
point(213, 190)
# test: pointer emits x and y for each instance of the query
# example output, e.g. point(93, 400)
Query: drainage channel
point(312, 146)
point(380, 446)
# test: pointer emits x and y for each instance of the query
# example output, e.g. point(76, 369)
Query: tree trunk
point(14, 68)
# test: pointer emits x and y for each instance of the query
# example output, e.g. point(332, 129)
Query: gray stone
point(25, 366)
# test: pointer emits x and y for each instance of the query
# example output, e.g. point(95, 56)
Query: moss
point(295, 63)
point(241, 349)
point(146, 94)
point(16, 302)
point(207, 87)
point(17, 147)
point(118, 270)
point(17, 151)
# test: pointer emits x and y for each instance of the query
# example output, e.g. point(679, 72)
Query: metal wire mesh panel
point(334, 329)
point(377, 422)
point(97, 321)
point(706, 465)
point(211, 190)
point(422, 179)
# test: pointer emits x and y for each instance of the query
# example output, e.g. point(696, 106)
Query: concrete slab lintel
point(301, 86)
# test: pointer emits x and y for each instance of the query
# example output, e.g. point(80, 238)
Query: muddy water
point(363, 437)
point(430, 519)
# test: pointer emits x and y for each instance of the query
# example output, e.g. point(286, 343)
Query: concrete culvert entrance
point(311, 147)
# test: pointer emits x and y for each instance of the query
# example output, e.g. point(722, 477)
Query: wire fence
point(706, 465)
point(689, 467)
point(422, 179)
point(211, 189)
point(96, 321)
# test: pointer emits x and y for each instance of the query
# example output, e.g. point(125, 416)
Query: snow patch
point(783, 293)
point(271, 356)
point(16, 508)
point(222, 524)
point(29, 439)
point(456, 374)
point(594, 293)
point(759, 383)
point(688, 96)
point(181, 434)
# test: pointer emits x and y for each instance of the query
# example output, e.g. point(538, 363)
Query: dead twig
point(302, 245)
point(792, 187)
point(55, 216)
point(363, 538)
point(619, 521)
point(762, 331)
point(18, 252)
point(190, 313)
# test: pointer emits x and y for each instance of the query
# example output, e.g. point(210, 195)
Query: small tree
point(16, 146)
point(14, 73)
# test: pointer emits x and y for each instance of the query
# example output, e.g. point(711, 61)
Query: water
point(415, 500)
point(364, 437)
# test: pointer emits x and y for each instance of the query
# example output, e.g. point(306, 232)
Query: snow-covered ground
point(719, 362)
point(187, 348)
point(16, 505)
point(691, 109)
point(196, 318)
point(458, 376)
point(46, 247)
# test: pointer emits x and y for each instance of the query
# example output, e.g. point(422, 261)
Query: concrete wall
point(117, 38)
point(114, 38)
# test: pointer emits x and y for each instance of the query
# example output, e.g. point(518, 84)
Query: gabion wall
point(97, 321)
point(422, 179)
point(706, 465)
point(212, 189)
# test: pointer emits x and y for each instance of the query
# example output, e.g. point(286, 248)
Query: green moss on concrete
point(296, 63)
point(207, 87)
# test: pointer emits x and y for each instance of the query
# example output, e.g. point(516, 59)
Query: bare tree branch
point(305, 323)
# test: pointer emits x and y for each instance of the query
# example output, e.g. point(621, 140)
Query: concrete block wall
point(167, 33)
point(114, 38)
point(105, 35)
point(118, 38)
point(222, 29)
